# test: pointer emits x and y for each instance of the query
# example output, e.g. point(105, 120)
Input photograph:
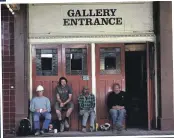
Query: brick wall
point(8, 69)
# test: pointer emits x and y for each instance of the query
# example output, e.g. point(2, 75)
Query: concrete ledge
point(129, 132)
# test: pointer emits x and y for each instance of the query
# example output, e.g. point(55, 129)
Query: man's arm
point(58, 98)
point(80, 101)
point(93, 101)
point(32, 109)
point(123, 102)
point(69, 99)
point(109, 102)
point(57, 95)
point(48, 106)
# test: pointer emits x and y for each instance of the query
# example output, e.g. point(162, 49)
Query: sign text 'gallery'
point(90, 17)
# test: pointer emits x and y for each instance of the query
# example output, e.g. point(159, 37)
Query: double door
point(50, 62)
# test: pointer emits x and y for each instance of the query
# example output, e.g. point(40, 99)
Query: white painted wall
point(47, 19)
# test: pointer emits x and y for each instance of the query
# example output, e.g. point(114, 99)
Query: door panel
point(150, 84)
point(65, 59)
point(109, 69)
point(38, 75)
point(75, 76)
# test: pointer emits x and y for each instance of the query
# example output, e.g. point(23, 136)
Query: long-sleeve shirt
point(86, 102)
point(116, 99)
point(40, 103)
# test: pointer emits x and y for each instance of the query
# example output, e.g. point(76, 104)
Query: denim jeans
point(85, 114)
point(36, 119)
point(117, 116)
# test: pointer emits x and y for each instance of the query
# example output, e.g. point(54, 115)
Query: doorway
point(136, 87)
point(110, 68)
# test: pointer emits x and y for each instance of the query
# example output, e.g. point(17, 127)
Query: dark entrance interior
point(136, 88)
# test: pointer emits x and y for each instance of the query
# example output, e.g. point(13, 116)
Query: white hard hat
point(39, 88)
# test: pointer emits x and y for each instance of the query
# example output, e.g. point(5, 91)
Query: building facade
point(94, 45)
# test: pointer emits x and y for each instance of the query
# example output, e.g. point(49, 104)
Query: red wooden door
point(50, 62)
point(110, 68)
point(150, 84)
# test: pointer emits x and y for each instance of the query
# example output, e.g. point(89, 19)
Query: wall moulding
point(93, 36)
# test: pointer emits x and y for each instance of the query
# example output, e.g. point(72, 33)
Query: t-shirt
point(116, 99)
point(63, 92)
point(40, 103)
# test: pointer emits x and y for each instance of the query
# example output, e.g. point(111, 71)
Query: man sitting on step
point(86, 102)
point(116, 105)
point(40, 106)
point(63, 102)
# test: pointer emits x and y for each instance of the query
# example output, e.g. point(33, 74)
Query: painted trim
point(30, 80)
point(1, 95)
point(46, 36)
point(127, 38)
point(173, 51)
point(93, 69)
point(30, 66)
point(156, 88)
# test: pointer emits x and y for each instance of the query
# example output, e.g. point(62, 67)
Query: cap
point(85, 88)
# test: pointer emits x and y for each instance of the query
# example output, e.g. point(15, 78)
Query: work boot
point(42, 132)
point(61, 126)
point(84, 129)
point(119, 129)
point(37, 133)
point(91, 129)
point(66, 123)
point(114, 129)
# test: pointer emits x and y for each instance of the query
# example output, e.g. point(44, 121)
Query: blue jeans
point(117, 116)
point(36, 118)
point(85, 114)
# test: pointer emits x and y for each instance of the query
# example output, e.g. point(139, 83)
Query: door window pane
point(76, 61)
point(110, 60)
point(46, 62)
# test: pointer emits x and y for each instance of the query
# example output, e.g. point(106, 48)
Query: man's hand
point(117, 107)
point(44, 110)
point(114, 107)
point(62, 104)
point(38, 110)
point(121, 107)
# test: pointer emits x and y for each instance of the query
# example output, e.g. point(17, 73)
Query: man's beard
point(86, 93)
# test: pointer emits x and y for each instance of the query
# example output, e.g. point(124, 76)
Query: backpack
point(24, 127)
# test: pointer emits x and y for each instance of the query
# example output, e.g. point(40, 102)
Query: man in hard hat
point(86, 102)
point(63, 102)
point(40, 106)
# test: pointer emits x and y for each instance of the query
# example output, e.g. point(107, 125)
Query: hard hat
point(39, 88)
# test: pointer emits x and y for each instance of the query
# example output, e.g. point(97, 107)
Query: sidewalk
point(129, 132)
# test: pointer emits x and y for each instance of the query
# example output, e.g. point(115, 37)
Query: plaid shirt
point(86, 103)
